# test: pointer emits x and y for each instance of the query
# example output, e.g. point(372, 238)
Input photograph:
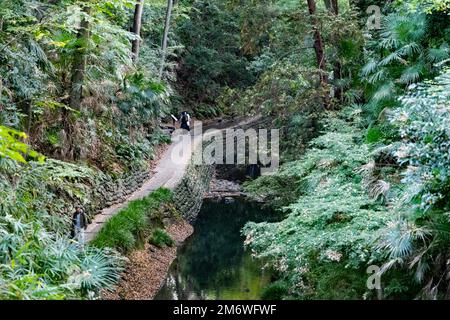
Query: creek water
point(213, 264)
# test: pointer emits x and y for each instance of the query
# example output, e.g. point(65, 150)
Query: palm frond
point(369, 68)
point(411, 75)
point(436, 55)
point(392, 57)
point(386, 91)
point(410, 49)
point(377, 77)
point(380, 189)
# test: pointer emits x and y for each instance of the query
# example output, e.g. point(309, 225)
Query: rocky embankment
point(220, 188)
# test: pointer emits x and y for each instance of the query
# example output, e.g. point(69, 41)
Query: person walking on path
point(79, 225)
point(185, 120)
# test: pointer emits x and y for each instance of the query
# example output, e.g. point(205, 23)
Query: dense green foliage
point(38, 264)
point(120, 101)
point(112, 130)
point(126, 230)
point(12, 148)
point(331, 217)
point(372, 189)
point(213, 57)
point(349, 207)
point(419, 238)
point(364, 118)
point(38, 260)
point(403, 53)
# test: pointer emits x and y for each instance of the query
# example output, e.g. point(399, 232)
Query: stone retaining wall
point(188, 195)
point(109, 191)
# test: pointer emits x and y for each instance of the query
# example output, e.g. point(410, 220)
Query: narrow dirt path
point(168, 173)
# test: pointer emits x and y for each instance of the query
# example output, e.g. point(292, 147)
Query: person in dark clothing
point(185, 121)
point(79, 225)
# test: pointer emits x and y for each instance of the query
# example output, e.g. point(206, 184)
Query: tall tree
point(79, 60)
point(333, 8)
point(332, 5)
point(78, 74)
point(320, 51)
point(165, 36)
point(137, 22)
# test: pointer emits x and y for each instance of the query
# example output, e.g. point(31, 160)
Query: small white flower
point(333, 255)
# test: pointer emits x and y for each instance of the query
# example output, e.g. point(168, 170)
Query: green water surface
point(213, 263)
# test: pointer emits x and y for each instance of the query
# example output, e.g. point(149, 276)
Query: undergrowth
point(125, 230)
point(161, 238)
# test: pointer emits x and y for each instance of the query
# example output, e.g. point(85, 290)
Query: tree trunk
point(76, 82)
point(79, 63)
point(137, 29)
point(333, 7)
point(320, 51)
point(337, 65)
point(165, 36)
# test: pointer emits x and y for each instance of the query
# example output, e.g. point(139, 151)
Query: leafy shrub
point(134, 154)
point(423, 122)
point(382, 133)
point(11, 147)
point(374, 134)
point(336, 280)
point(159, 137)
point(331, 218)
point(161, 238)
point(418, 239)
point(37, 264)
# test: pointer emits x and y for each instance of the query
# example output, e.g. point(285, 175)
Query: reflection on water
point(213, 264)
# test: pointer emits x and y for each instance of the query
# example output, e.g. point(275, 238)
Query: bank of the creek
point(147, 267)
point(212, 263)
